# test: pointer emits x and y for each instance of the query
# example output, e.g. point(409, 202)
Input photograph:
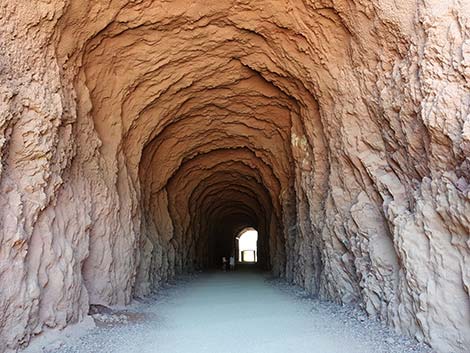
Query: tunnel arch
point(337, 128)
point(243, 245)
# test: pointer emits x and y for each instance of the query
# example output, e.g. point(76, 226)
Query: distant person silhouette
point(224, 264)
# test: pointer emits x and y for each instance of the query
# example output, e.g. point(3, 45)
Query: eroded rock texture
point(137, 138)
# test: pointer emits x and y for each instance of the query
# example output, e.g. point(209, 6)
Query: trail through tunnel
point(140, 138)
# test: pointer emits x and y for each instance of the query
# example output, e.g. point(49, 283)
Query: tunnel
point(141, 137)
point(219, 165)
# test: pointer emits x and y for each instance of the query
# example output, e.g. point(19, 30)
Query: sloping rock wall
point(137, 138)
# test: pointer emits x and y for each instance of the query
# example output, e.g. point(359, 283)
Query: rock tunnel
point(138, 138)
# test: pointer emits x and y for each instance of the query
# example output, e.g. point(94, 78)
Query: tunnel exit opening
point(247, 244)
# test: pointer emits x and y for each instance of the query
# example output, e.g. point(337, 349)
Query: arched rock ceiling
point(140, 137)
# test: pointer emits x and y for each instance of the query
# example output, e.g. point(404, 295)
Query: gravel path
point(233, 313)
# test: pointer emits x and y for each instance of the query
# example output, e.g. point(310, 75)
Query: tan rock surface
point(138, 138)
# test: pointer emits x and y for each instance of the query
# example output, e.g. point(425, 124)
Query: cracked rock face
point(137, 139)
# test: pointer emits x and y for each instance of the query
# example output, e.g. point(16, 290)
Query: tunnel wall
point(341, 128)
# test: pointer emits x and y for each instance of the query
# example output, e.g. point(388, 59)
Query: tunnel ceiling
point(206, 125)
point(138, 138)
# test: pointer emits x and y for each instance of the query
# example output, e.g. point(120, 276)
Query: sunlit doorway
point(248, 246)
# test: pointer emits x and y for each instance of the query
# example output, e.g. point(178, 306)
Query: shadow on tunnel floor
point(242, 268)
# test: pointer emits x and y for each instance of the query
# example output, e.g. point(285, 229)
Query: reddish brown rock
point(138, 138)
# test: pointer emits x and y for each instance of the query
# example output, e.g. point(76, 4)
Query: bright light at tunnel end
point(248, 246)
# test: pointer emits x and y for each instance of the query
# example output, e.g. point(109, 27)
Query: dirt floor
point(234, 312)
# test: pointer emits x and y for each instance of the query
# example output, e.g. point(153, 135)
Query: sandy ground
point(233, 313)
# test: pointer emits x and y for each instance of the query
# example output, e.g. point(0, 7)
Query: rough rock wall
point(136, 135)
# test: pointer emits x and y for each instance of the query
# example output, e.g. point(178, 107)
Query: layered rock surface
point(138, 138)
